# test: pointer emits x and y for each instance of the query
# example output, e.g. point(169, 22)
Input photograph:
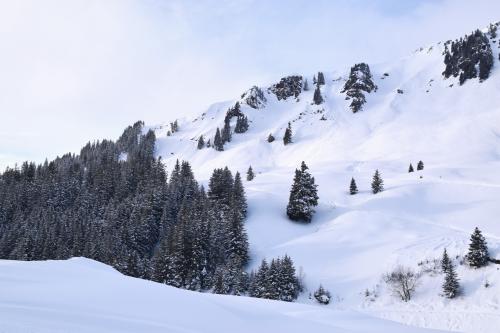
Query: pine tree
point(303, 196)
point(317, 98)
point(226, 133)
point(445, 262)
point(287, 138)
point(321, 79)
point(377, 183)
point(420, 165)
point(250, 174)
point(218, 143)
point(451, 287)
point(270, 138)
point(289, 285)
point(322, 295)
point(478, 250)
point(353, 188)
point(314, 80)
point(410, 169)
point(201, 142)
point(241, 124)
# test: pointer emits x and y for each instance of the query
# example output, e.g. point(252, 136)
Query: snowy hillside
point(81, 295)
point(414, 114)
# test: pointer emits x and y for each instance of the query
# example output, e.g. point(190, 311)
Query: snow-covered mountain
point(414, 113)
point(405, 112)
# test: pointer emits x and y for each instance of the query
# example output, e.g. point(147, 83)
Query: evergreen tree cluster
point(469, 57)
point(254, 98)
point(317, 98)
point(360, 81)
point(126, 213)
point(290, 86)
point(303, 196)
point(241, 124)
point(276, 280)
point(201, 142)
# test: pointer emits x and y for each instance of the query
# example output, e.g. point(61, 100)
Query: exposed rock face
point(254, 98)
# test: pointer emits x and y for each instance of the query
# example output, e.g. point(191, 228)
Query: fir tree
point(420, 165)
point(410, 169)
point(287, 138)
point(241, 124)
point(445, 262)
point(317, 98)
point(226, 133)
point(478, 250)
point(218, 143)
point(377, 183)
point(451, 287)
point(250, 174)
point(321, 79)
point(322, 295)
point(353, 188)
point(303, 196)
point(270, 138)
point(201, 142)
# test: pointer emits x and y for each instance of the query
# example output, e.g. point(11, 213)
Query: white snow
point(352, 240)
point(81, 295)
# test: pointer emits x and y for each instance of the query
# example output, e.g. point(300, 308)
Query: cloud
point(74, 71)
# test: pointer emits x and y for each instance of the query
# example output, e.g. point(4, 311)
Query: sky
point(73, 71)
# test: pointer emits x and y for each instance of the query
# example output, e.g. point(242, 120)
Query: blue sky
point(80, 70)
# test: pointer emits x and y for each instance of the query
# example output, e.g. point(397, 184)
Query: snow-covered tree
point(321, 79)
point(377, 183)
point(353, 188)
point(303, 196)
point(218, 143)
point(445, 262)
point(250, 174)
point(201, 142)
point(322, 295)
point(271, 138)
point(451, 286)
point(287, 138)
point(478, 250)
point(420, 165)
point(317, 98)
point(410, 169)
point(306, 85)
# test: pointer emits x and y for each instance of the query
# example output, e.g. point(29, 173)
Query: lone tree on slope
point(317, 98)
point(218, 143)
point(478, 250)
point(287, 138)
point(270, 138)
point(353, 188)
point(250, 174)
point(445, 262)
point(201, 142)
point(420, 165)
point(377, 183)
point(451, 287)
point(303, 196)
point(410, 169)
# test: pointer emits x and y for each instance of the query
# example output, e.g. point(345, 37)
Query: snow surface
point(81, 295)
point(354, 240)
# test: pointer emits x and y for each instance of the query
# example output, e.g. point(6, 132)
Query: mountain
point(436, 105)
point(415, 113)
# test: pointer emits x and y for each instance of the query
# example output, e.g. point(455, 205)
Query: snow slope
point(354, 240)
point(81, 295)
